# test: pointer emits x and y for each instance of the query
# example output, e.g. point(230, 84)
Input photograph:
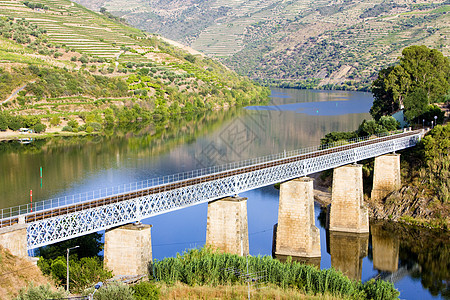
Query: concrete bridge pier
point(386, 175)
point(296, 234)
point(128, 249)
point(348, 212)
point(227, 226)
point(14, 238)
point(385, 249)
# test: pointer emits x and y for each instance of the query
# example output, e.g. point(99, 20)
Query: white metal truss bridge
point(64, 218)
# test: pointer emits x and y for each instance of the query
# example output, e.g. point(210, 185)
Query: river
point(293, 119)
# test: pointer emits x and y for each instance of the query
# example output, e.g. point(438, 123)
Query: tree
point(416, 103)
point(3, 121)
point(384, 103)
point(369, 128)
point(389, 123)
point(421, 72)
point(90, 246)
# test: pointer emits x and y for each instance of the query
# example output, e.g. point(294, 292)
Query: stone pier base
point(128, 249)
point(385, 249)
point(296, 233)
point(14, 238)
point(348, 212)
point(386, 176)
point(347, 251)
point(227, 227)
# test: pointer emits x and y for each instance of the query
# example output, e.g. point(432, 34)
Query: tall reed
point(207, 267)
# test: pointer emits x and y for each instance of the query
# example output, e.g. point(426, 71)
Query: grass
point(204, 267)
point(183, 291)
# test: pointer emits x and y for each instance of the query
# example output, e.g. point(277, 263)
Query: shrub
point(89, 129)
point(55, 120)
point(72, 123)
point(3, 121)
point(67, 128)
point(95, 126)
point(38, 128)
point(15, 123)
point(145, 291)
point(40, 292)
point(114, 290)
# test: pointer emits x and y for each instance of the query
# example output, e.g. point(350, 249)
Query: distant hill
point(72, 61)
point(295, 43)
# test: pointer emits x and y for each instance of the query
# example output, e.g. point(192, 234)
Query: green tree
point(4, 120)
point(89, 246)
point(369, 128)
point(416, 103)
point(389, 123)
point(38, 128)
point(384, 103)
point(421, 72)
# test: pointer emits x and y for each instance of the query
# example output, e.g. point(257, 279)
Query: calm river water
point(416, 260)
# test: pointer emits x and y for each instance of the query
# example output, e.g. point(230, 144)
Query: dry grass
point(16, 273)
point(183, 291)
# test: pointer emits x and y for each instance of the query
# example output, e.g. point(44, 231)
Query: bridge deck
point(54, 212)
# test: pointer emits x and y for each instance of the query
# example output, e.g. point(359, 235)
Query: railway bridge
point(119, 210)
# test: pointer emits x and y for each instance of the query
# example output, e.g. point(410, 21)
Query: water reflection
point(347, 251)
point(424, 255)
point(385, 248)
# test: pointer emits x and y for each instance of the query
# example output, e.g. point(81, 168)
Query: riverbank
point(10, 135)
point(424, 198)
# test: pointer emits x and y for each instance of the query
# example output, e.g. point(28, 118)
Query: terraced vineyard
point(296, 43)
point(70, 24)
point(73, 64)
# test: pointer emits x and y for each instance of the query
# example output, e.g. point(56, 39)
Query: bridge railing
point(12, 212)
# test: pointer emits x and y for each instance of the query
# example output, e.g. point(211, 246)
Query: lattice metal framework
point(51, 230)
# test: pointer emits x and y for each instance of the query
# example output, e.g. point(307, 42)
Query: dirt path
point(16, 91)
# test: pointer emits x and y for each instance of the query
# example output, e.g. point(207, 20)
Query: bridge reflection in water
point(347, 251)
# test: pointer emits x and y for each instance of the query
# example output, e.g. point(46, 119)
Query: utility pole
point(67, 278)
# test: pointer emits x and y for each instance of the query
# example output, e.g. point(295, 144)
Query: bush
point(114, 290)
point(89, 129)
point(3, 121)
point(95, 126)
point(55, 120)
point(41, 292)
point(72, 123)
point(38, 128)
point(145, 291)
point(15, 123)
point(67, 128)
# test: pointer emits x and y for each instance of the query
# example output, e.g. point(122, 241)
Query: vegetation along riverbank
point(412, 87)
point(71, 75)
point(198, 274)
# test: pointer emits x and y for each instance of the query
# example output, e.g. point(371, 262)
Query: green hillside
point(75, 64)
point(295, 43)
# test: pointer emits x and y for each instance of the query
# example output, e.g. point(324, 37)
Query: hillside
point(68, 62)
point(17, 273)
point(295, 43)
